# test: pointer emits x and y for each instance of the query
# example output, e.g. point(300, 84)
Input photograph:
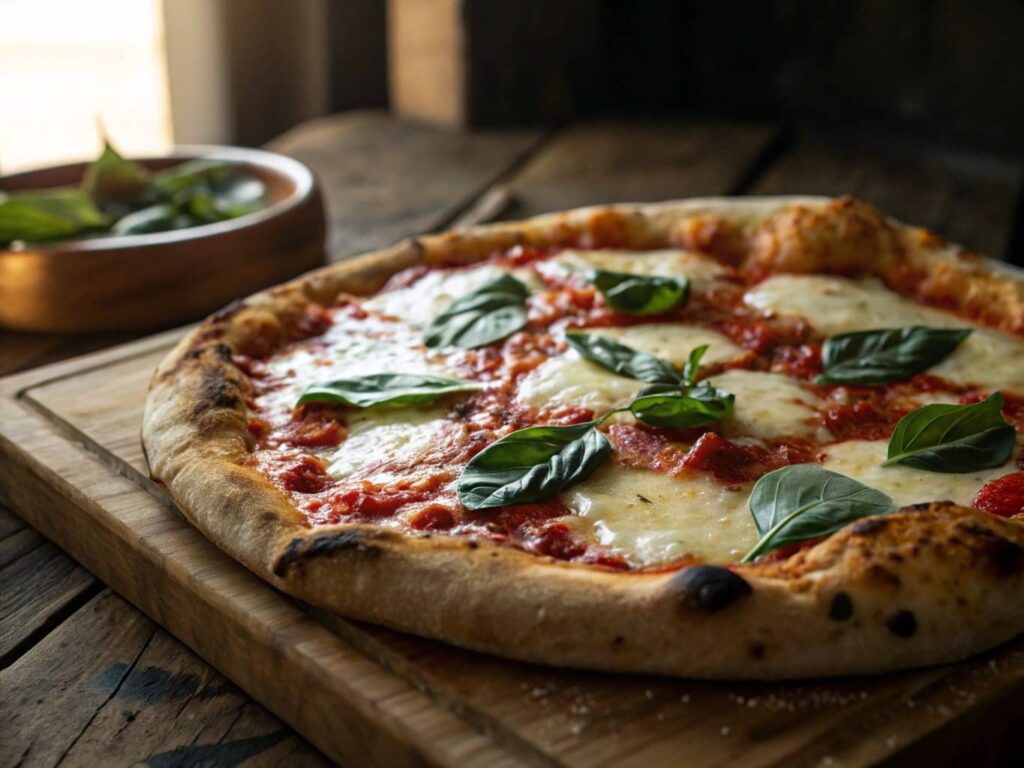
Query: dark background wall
point(949, 72)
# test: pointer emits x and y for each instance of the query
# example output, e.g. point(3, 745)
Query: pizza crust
point(926, 585)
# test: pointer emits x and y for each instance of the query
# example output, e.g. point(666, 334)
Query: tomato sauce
point(1003, 497)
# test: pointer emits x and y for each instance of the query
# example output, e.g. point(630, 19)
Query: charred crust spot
point(1005, 557)
point(757, 651)
point(301, 549)
point(215, 391)
point(882, 575)
point(473, 544)
point(709, 587)
point(869, 526)
point(841, 608)
point(902, 624)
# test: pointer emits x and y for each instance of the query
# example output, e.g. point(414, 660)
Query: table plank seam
point(53, 621)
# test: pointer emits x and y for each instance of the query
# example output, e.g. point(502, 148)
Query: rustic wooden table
point(98, 682)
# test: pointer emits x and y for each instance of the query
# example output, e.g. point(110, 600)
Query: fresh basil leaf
point(238, 195)
point(639, 294)
point(162, 217)
point(680, 408)
point(953, 438)
point(804, 501)
point(184, 176)
point(110, 179)
point(623, 360)
point(878, 357)
point(532, 465)
point(487, 315)
point(391, 389)
point(692, 366)
point(48, 215)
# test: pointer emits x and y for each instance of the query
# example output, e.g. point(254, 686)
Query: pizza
point(750, 438)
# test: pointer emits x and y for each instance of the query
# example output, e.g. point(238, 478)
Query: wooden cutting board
point(71, 463)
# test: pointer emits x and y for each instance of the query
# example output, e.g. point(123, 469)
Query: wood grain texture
point(605, 161)
point(970, 199)
point(387, 179)
point(41, 584)
point(141, 697)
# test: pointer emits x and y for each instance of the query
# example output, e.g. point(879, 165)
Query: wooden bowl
point(157, 280)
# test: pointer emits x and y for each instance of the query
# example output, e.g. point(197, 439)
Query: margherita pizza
point(720, 438)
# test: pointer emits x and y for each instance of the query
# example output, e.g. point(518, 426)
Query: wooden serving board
point(72, 464)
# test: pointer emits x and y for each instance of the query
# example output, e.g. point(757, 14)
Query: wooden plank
point(56, 678)
point(350, 707)
point(146, 699)
point(605, 161)
point(40, 587)
point(970, 199)
point(385, 179)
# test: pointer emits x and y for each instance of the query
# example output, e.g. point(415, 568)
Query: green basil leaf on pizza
point(866, 358)
point(693, 364)
point(387, 389)
point(623, 360)
point(639, 294)
point(805, 501)
point(953, 438)
point(665, 406)
point(532, 465)
point(489, 314)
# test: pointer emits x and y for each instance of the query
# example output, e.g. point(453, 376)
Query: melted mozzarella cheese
point(839, 305)
point(357, 348)
point(769, 406)
point(662, 263)
point(653, 517)
point(988, 359)
point(862, 460)
point(570, 380)
point(382, 436)
point(674, 342)
point(432, 294)
point(833, 305)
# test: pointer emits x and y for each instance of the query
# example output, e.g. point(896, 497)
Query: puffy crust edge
point(922, 586)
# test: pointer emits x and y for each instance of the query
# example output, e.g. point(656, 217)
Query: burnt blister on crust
point(902, 624)
point(709, 587)
point(301, 549)
point(841, 608)
point(1002, 556)
point(215, 391)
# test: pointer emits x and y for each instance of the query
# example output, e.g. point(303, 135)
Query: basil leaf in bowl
point(805, 501)
point(953, 438)
point(390, 389)
point(878, 357)
point(48, 215)
point(532, 465)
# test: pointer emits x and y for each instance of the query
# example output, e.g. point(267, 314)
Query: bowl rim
point(296, 171)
